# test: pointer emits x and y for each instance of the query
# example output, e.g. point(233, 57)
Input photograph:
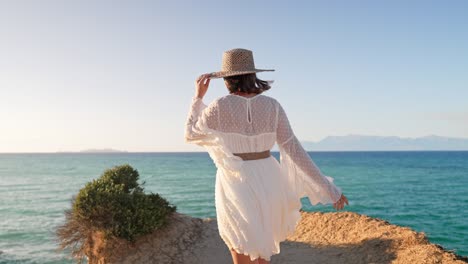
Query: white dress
point(257, 201)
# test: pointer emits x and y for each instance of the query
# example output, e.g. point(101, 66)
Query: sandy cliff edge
point(335, 237)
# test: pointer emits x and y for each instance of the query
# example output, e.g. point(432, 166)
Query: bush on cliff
point(116, 205)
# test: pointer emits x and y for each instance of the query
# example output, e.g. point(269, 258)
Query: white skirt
point(254, 215)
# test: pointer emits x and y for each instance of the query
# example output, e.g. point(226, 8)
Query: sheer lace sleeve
point(304, 176)
point(200, 120)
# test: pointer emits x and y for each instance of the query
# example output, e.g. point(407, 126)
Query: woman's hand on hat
point(201, 85)
point(341, 202)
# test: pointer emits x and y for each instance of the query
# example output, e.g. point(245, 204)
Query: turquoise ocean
point(424, 190)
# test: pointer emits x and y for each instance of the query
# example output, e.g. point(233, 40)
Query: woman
point(257, 198)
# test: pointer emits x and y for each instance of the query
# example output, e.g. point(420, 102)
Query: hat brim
point(221, 74)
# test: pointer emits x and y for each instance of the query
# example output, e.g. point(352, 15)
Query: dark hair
point(246, 83)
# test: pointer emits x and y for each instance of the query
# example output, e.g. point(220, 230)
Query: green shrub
point(116, 205)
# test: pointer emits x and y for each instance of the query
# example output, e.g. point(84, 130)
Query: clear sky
point(120, 74)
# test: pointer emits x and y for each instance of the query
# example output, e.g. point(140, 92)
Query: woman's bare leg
point(242, 259)
point(263, 261)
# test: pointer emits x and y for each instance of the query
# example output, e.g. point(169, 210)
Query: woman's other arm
point(317, 186)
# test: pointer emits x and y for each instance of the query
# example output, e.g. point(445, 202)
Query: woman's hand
point(340, 203)
point(201, 85)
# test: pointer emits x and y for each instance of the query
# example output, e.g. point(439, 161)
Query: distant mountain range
point(376, 143)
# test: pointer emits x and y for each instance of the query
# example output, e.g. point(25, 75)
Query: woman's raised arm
point(199, 120)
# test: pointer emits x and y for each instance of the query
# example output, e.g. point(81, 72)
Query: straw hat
point(237, 62)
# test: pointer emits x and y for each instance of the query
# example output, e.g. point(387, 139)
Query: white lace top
point(237, 124)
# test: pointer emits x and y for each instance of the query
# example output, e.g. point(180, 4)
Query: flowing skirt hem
point(254, 254)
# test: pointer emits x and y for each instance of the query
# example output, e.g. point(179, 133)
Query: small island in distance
point(104, 150)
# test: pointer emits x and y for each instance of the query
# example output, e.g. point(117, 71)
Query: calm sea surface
point(427, 191)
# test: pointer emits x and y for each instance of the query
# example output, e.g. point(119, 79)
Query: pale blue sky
point(120, 74)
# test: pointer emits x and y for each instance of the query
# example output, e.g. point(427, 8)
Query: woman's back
point(248, 124)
